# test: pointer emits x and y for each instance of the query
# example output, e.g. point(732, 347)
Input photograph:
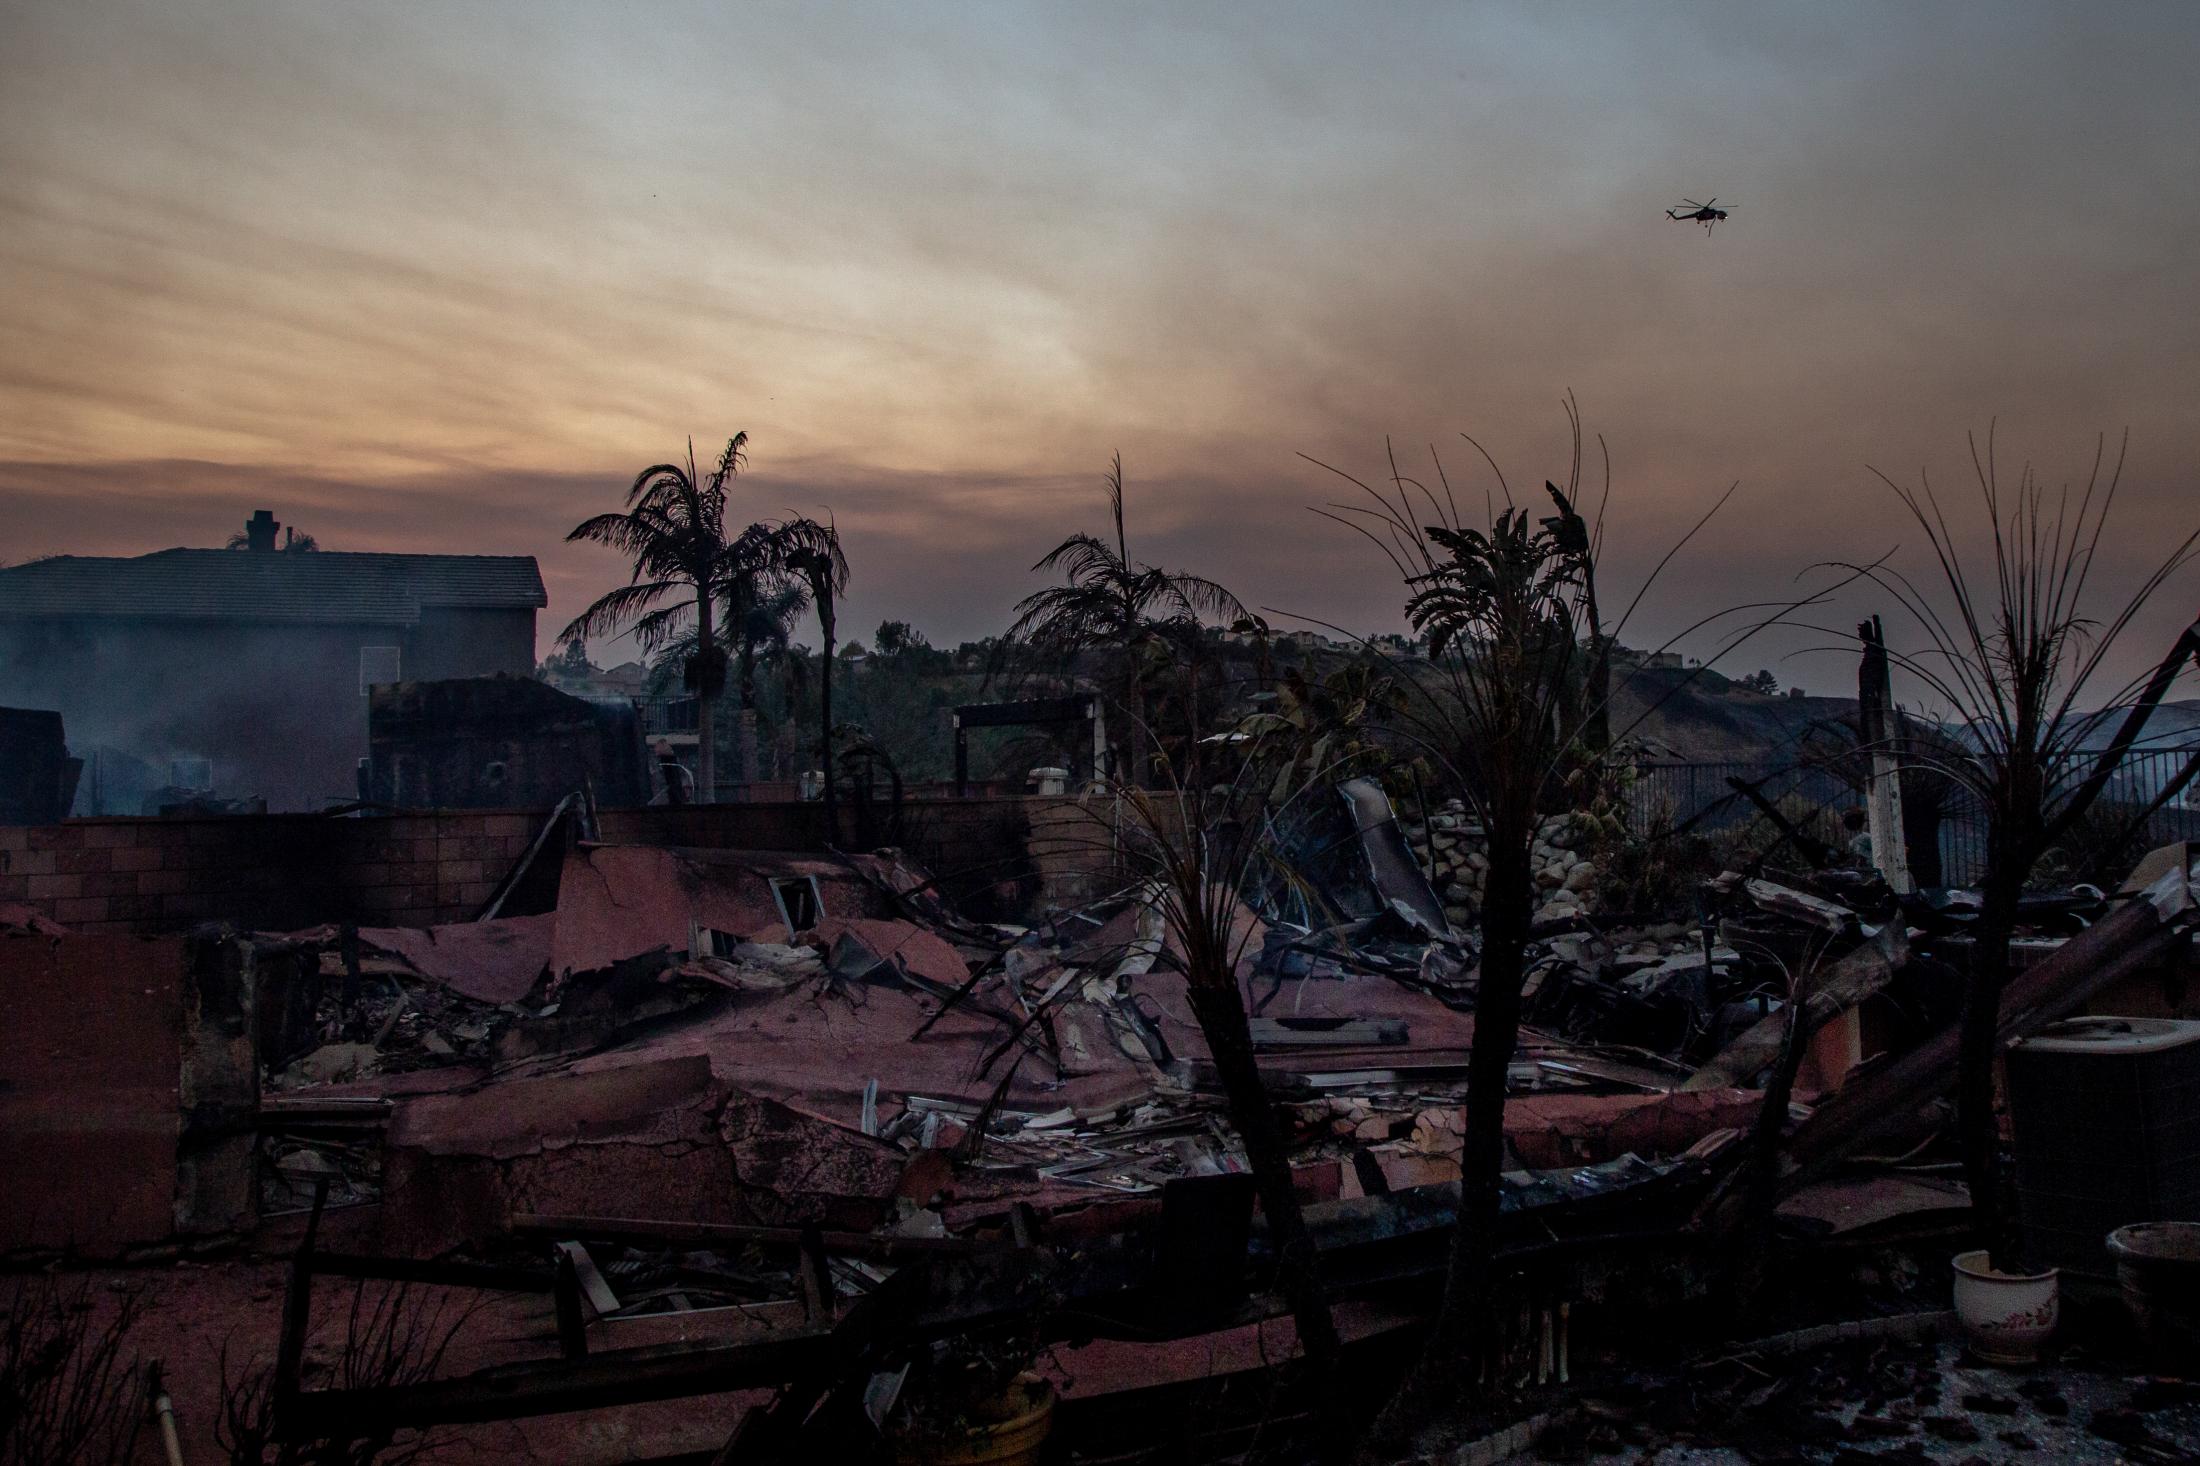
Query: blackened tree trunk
point(1506, 915)
point(2016, 836)
point(1450, 1362)
point(1980, 1047)
point(1596, 730)
point(1921, 821)
point(751, 759)
point(1192, 750)
point(1221, 1014)
point(1761, 1183)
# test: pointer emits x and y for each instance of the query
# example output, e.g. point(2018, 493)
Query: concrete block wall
point(270, 872)
point(288, 871)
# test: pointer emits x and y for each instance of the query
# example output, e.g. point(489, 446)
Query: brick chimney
point(259, 530)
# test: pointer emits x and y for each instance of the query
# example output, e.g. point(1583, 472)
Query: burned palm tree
point(1501, 609)
point(674, 530)
point(1194, 848)
point(1114, 607)
point(758, 628)
point(1508, 716)
point(2019, 663)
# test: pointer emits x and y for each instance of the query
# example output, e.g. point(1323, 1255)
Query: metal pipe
point(164, 1410)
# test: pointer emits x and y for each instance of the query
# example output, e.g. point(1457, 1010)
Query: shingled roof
point(243, 585)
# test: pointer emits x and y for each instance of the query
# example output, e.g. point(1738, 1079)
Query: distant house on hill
point(244, 672)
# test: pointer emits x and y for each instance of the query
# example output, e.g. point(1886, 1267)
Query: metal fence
point(662, 715)
point(1669, 798)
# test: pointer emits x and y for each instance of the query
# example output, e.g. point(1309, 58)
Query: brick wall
point(287, 871)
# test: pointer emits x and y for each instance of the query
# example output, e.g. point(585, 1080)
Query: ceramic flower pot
point(2007, 1318)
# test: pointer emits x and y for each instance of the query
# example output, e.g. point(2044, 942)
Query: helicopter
point(1709, 213)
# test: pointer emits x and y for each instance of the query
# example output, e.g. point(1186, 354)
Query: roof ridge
point(278, 557)
point(297, 556)
point(369, 587)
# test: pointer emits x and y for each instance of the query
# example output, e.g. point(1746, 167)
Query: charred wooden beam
point(572, 1323)
point(621, 1377)
point(290, 1348)
point(1106, 1288)
point(488, 1276)
point(1843, 986)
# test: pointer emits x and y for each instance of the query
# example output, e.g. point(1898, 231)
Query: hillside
point(1701, 716)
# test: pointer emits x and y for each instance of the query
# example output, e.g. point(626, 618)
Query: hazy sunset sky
point(444, 275)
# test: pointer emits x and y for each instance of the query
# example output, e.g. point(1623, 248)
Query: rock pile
point(1565, 875)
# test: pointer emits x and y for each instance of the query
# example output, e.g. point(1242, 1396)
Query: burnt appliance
point(2106, 1114)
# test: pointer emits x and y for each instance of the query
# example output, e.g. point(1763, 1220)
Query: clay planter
point(2007, 1318)
point(2158, 1268)
point(1009, 1433)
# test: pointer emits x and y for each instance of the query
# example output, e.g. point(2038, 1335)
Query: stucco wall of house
point(278, 709)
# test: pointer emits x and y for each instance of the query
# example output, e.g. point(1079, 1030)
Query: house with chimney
point(241, 675)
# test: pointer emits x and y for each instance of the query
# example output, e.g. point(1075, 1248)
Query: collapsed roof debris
point(716, 1109)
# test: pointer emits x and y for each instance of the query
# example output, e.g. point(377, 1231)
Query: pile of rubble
point(719, 1108)
point(834, 1005)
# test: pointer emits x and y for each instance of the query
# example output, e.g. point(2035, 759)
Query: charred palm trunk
point(1450, 1362)
point(1761, 1183)
point(1980, 1047)
point(2013, 844)
point(1134, 734)
point(1596, 732)
point(895, 792)
point(1505, 920)
point(1221, 1013)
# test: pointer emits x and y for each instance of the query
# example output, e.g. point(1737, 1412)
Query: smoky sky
point(444, 276)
